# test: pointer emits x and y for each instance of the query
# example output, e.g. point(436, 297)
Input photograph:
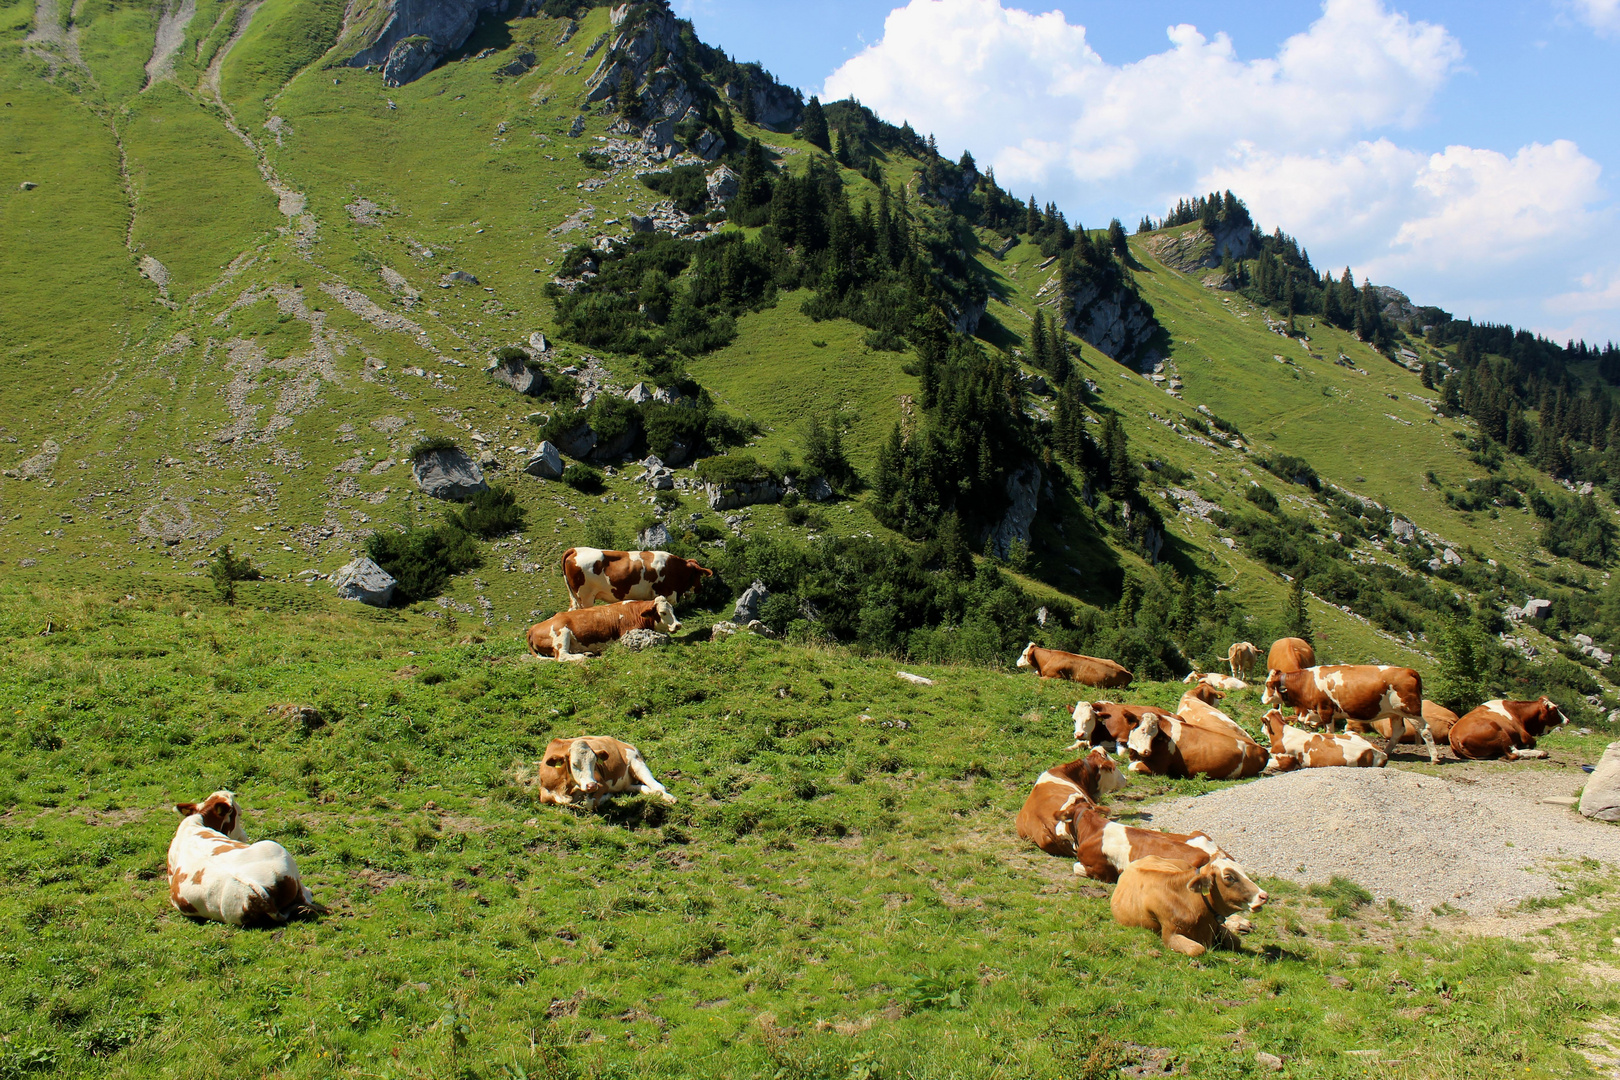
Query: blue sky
point(1466, 153)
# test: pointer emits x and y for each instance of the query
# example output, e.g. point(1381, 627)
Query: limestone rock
point(414, 37)
point(743, 493)
point(517, 374)
point(637, 640)
point(1537, 609)
point(578, 442)
point(615, 448)
point(1023, 488)
point(546, 463)
point(653, 538)
point(1601, 797)
point(520, 66)
point(488, 460)
point(1451, 558)
point(1115, 322)
point(640, 224)
point(1403, 530)
point(747, 607)
point(365, 581)
point(537, 342)
point(448, 474)
point(722, 185)
point(638, 394)
point(409, 60)
point(722, 630)
point(457, 277)
point(760, 629)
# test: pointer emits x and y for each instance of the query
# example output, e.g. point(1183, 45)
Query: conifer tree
point(1296, 616)
point(841, 154)
point(1032, 218)
point(1118, 241)
point(814, 125)
point(1037, 339)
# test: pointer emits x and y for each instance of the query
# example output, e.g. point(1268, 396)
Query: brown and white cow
point(1108, 724)
point(1368, 692)
point(1290, 654)
point(215, 874)
point(1178, 747)
point(1241, 658)
point(1056, 664)
point(1505, 729)
point(592, 769)
point(1215, 681)
point(573, 635)
point(1440, 720)
point(593, 574)
point(1063, 793)
point(1191, 908)
point(1295, 748)
point(1103, 848)
point(1198, 706)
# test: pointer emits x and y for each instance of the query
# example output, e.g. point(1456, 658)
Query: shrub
point(595, 159)
point(421, 560)
point(582, 478)
point(1295, 470)
point(686, 185)
point(1261, 497)
point(227, 569)
point(489, 513)
point(430, 445)
point(732, 469)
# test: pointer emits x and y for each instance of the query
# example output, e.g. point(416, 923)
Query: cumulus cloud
point(1309, 137)
point(1601, 15)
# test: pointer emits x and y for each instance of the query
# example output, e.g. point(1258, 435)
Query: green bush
point(685, 184)
point(582, 478)
point(421, 560)
point(489, 513)
point(431, 444)
point(1261, 497)
point(732, 469)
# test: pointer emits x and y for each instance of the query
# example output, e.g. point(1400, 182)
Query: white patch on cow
point(1203, 843)
point(1141, 767)
point(1116, 845)
point(1049, 777)
point(660, 559)
point(1023, 657)
point(1140, 739)
point(592, 565)
point(666, 614)
point(1109, 780)
point(1085, 721)
point(1497, 706)
point(1061, 828)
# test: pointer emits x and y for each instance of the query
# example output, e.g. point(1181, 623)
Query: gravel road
point(1480, 839)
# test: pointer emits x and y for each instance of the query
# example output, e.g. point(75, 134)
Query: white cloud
point(1308, 137)
point(1601, 15)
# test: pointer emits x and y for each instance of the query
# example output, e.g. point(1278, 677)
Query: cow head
point(219, 812)
point(1140, 740)
point(1088, 724)
point(666, 614)
point(1228, 887)
point(1206, 693)
point(1553, 711)
point(1275, 689)
point(1023, 657)
point(582, 763)
point(1109, 778)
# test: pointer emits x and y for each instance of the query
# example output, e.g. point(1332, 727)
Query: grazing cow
point(574, 634)
point(1440, 720)
point(1241, 658)
point(1056, 664)
point(1290, 654)
point(611, 576)
point(1366, 692)
point(1179, 747)
point(1505, 729)
point(1218, 682)
point(214, 873)
point(1101, 723)
point(1293, 747)
point(592, 769)
point(1191, 908)
point(1061, 794)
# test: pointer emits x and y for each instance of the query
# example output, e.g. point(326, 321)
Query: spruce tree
point(1032, 218)
point(841, 154)
point(1118, 241)
point(1037, 339)
point(1296, 616)
point(814, 125)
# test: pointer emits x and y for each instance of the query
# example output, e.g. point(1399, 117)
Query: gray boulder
point(448, 474)
point(640, 224)
point(517, 374)
point(577, 443)
point(414, 37)
point(722, 185)
point(653, 538)
point(365, 581)
point(537, 342)
point(457, 277)
point(637, 640)
point(747, 609)
point(409, 60)
point(546, 463)
point(742, 493)
point(1403, 530)
point(1601, 797)
point(722, 630)
point(814, 488)
point(638, 394)
point(1537, 609)
point(520, 66)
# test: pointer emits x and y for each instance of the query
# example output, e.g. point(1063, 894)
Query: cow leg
point(1182, 943)
point(1397, 732)
point(649, 786)
point(1428, 738)
point(1237, 924)
point(563, 644)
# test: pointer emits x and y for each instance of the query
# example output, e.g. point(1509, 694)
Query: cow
point(574, 634)
point(1505, 729)
point(1101, 723)
point(1062, 793)
point(1218, 682)
point(1177, 747)
point(1104, 848)
point(1192, 908)
point(1241, 658)
point(1290, 654)
point(593, 574)
point(592, 769)
point(215, 874)
point(1056, 664)
point(1321, 695)
point(1197, 706)
point(1440, 719)
point(1293, 747)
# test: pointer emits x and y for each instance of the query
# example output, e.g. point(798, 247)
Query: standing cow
point(1367, 692)
point(1057, 664)
point(1241, 658)
point(1440, 719)
point(593, 575)
point(1290, 654)
point(1505, 729)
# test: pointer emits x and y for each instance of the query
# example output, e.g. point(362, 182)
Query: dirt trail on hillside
point(1480, 839)
point(48, 31)
point(171, 34)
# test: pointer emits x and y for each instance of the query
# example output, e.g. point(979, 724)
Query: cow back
point(1290, 654)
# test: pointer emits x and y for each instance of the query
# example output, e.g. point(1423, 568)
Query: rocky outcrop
point(413, 37)
point(742, 493)
point(517, 374)
point(546, 463)
point(365, 581)
point(1394, 305)
point(1023, 490)
point(722, 184)
point(448, 474)
point(654, 537)
point(747, 606)
point(1115, 322)
point(1600, 799)
point(578, 442)
point(773, 105)
point(1199, 249)
point(639, 639)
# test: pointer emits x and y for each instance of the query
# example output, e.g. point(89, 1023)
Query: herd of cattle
point(1183, 886)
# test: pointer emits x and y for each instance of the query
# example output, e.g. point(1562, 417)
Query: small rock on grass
point(1268, 1061)
point(917, 679)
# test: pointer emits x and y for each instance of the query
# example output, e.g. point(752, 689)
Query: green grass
point(834, 892)
point(284, 37)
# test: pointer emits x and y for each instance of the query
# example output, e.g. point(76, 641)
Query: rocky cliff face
point(1116, 322)
point(415, 36)
point(1200, 249)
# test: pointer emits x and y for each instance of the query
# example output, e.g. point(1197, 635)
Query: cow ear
point(1203, 882)
point(186, 808)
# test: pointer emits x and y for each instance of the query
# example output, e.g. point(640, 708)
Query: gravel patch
point(1479, 842)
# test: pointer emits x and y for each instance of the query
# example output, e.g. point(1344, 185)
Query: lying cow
point(574, 635)
point(1179, 747)
point(593, 574)
point(592, 769)
point(1218, 682)
point(1367, 692)
point(1108, 724)
point(214, 873)
point(1056, 664)
point(1192, 909)
point(1197, 706)
point(1294, 748)
point(1505, 729)
point(1062, 793)
point(1241, 658)
point(1104, 848)
point(1439, 718)
point(1290, 654)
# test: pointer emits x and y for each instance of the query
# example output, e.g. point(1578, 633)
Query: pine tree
point(1118, 241)
point(1296, 616)
point(1037, 339)
point(814, 125)
point(1032, 218)
point(841, 154)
